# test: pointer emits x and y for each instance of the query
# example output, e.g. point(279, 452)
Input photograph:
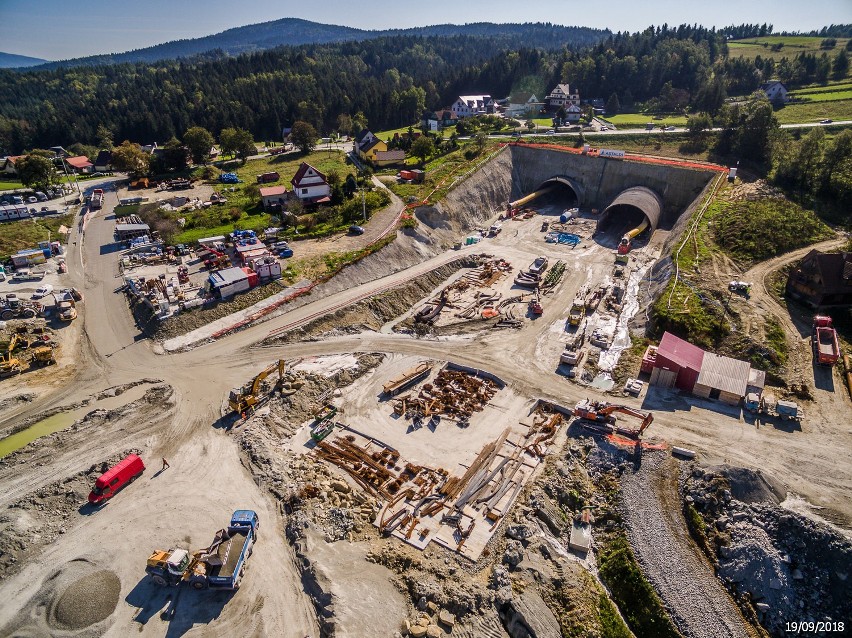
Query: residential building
point(364, 137)
point(470, 105)
point(103, 162)
point(370, 146)
point(776, 92)
point(822, 279)
point(522, 105)
point(389, 158)
point(310, 185)
point(79, 164)
point(573, 113)
point(273, 197)
point(562, 96)
point(9, 165)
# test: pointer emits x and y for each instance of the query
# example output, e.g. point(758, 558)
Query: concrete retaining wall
point(601, 180)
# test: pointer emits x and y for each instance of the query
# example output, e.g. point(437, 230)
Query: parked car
point(41, 196)
point(32, 199)
point(356, 230)
point(115, 478)
point(42, 291)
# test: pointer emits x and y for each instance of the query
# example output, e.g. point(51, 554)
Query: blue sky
point(60, 29)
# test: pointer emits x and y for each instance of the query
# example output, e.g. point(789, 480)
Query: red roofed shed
point(677, 363)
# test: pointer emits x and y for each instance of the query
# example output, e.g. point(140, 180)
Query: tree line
point(388, 81)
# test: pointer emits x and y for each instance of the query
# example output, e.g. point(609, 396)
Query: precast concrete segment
point(639, 197)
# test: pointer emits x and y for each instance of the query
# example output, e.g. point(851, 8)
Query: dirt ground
point(318, 552)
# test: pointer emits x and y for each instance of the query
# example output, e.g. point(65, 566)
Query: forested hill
point(294, 32)
point(11, 61)
point(390, 80)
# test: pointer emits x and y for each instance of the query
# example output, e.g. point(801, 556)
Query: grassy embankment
point(747, 232)
point(635, 596)
point(639, 120)
point(26, 233)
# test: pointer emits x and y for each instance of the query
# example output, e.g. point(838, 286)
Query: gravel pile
point(87, 600)
point(789, 566)
point(698, 604)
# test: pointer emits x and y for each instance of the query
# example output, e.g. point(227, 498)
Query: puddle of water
point(62, 420)
point(603, 382)
point(621, 341)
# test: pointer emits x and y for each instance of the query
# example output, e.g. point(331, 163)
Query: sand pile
point(86, 601)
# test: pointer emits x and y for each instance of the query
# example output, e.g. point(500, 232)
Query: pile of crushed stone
point(87, 600)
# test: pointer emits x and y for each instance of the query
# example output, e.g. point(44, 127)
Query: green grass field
point(9, 184)
point(815, 111)
point(639, 120)
point(825, 88)
point(750, 48)
point(825, 96)
point(26, 233)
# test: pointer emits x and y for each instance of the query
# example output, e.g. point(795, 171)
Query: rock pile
point(787, 565)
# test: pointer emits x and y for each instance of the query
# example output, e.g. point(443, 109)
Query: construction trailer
point(125, 232)
point(230, 281)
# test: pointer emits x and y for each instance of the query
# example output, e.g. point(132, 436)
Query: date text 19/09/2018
point(810, 626)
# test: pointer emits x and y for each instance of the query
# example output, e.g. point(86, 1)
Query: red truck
point(110, 482)
point(826, 346)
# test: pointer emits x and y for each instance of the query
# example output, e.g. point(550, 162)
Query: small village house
point(103, 162)
point(273, 197)
point(310, 186)
point(822, 279)
point(776, 92)
point(79, 164)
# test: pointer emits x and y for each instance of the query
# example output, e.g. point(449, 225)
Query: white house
point(775, 91)
point(522, 105)
point(470, 105)
point(310, 185)
point(561, 96)
point(573, 113)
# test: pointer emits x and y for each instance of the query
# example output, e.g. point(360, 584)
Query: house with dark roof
point(370, 147)
point(776, 91)
point(310, 185)
point(470, 105)
point(822, 279)
point(103, 162)
point(562, 96)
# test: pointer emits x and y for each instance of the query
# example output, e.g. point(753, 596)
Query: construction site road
point(207, 476)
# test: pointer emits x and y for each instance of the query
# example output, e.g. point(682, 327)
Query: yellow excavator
point(9, 363)
point(251, 395)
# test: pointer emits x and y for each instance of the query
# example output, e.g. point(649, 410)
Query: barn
point(722, 378)
point(677, 363)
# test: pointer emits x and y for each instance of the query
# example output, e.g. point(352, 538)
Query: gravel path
point(699, 606)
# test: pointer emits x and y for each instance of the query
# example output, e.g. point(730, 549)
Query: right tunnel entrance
point(634, 210)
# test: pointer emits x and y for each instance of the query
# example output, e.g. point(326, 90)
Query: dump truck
point(577, 312)
point(826, 346)
point(219, 566)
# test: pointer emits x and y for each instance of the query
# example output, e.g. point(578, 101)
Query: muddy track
point(698, 604)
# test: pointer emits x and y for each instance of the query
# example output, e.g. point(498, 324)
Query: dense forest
point(390, 80)
point(294, 32)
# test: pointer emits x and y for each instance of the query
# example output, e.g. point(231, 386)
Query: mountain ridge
point(15, 61)
point(296, 31)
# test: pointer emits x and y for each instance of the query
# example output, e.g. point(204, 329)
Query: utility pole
point(364, 202)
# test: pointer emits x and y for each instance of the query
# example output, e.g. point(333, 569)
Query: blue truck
point(219, 566)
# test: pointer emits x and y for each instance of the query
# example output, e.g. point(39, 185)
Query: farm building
point(677, 363)
point(273, 196)
point(722, 378)
point(822, 279)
